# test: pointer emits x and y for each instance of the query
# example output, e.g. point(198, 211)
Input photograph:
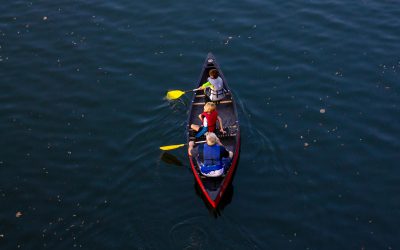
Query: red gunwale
point(228, 178)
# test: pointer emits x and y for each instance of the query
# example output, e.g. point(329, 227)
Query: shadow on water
point(225, 201)
point(171, 159)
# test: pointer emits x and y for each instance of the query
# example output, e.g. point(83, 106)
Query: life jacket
point(211, 120)
point(216, 92)
point(212, 165)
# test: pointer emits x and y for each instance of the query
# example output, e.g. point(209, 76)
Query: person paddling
point(212, 156)
point(214, 87)
point(209, 120)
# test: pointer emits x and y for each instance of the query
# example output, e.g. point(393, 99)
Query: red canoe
point(213, 188)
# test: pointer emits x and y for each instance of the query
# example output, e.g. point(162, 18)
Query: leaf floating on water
point(18, 214)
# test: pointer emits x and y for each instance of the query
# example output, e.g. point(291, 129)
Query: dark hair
point(213, 73)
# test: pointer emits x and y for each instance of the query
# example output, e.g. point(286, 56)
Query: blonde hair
point(209, 107)
point(211, 138)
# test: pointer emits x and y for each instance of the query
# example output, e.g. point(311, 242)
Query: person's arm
point(201, 117)
point(191, 145)
point(205, 85)
point(225, 153)
point(220, 125)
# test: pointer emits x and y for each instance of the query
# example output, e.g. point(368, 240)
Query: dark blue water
point(83, 114)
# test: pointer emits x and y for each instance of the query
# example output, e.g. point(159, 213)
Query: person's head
point(211, 139)
point(209, 107)
point(213, 73)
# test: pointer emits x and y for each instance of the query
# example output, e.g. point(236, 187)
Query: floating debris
point(18, 214)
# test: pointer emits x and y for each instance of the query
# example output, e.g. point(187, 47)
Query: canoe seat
point(224, 101)
point(203, 95)
point(230, 132)
point(216, 102)
point(198, 103)
point(220, 135)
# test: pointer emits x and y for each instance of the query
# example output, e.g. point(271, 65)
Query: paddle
point(175, 94)
point(171, 147)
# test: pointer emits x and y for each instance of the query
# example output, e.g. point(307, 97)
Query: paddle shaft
point(192, 90)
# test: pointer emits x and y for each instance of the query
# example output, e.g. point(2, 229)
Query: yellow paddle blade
point(170, 147)
point(174, 94)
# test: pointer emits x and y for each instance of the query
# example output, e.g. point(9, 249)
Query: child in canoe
point(214, 87)
point(209, 120)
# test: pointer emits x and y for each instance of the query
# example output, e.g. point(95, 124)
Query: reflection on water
point(170, 159)
point(225, 201)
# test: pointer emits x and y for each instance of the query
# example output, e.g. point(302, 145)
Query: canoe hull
point(214, 188)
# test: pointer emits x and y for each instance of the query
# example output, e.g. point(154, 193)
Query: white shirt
point(216, 93)
point(217, 83)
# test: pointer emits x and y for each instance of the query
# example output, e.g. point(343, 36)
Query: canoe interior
point(227, 111)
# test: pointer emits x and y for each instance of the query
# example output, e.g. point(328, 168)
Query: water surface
point(82, 116)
